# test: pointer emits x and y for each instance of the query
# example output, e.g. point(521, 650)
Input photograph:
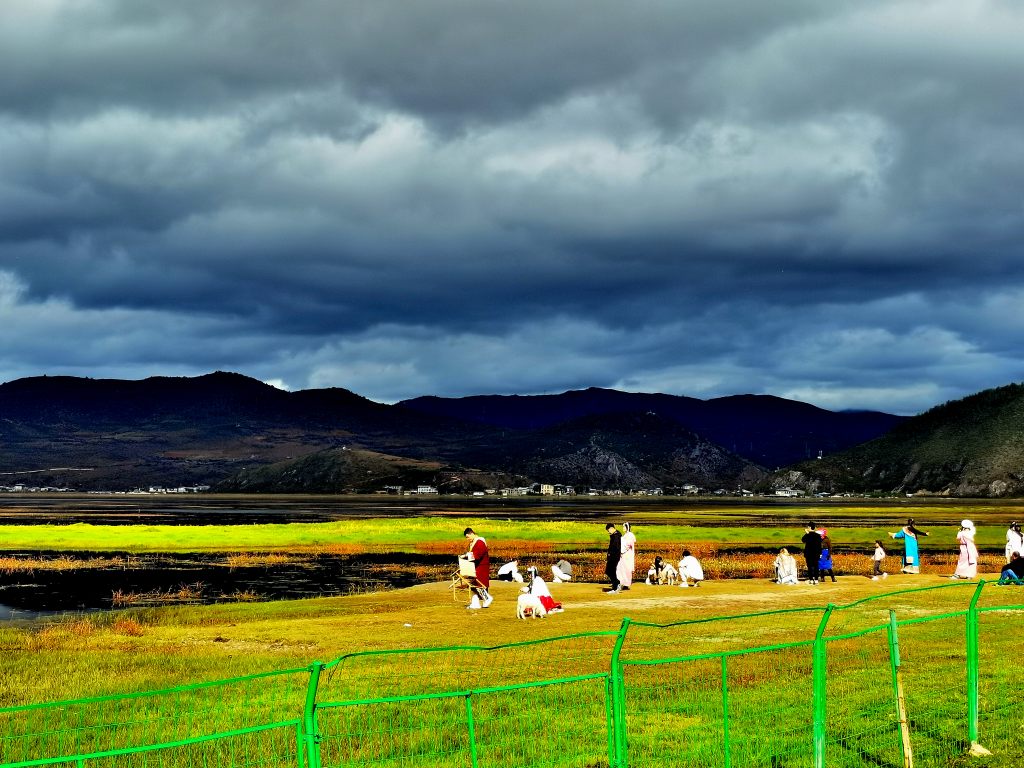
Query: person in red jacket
point(479, 555)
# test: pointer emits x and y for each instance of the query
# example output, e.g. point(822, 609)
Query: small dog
point(669, 575)
point(530, 605)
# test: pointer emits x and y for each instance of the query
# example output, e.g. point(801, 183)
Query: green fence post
point(726, 744)
point(472, 729)
point(617, 757)
point(819, 671)
point(973, 666)
point(310, 730)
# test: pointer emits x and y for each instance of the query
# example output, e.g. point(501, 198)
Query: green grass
point(849, 527)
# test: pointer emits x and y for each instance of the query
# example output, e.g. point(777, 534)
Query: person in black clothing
point(614, 553)
point(812, 552)
point(1013, 569)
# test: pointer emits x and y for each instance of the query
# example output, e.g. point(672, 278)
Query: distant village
point(536, 489)
point(556, 489)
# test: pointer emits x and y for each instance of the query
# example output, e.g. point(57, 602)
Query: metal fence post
point(617, 756)
point(820, 671)
point(973, 666)
point(726, 743)
point(472, 729)
point(310, 730)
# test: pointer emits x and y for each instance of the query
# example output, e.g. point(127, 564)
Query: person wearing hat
point(967, 565)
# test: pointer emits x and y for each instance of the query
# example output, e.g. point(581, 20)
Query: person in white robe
point(690, 568)
point(785, 568)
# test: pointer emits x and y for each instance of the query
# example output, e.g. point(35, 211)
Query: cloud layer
point(819, 201)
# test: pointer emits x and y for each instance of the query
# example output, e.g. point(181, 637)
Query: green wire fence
point(896, 680)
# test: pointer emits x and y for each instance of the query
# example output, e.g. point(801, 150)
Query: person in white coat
point(785, 568)
point(510, 572)
point(967, 565)
point(627, 557)
point(690, 568)
point(1014, 541)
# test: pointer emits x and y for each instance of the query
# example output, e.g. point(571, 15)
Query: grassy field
point(144, 649)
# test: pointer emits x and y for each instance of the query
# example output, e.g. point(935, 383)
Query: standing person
point(825, 560)
point(627, 558)
point(1014, 541)
point(561, 571)
point(611, 565)
point(967, 565)
point(876, 562)
point(479, 555)
point(911, 557)
point(812, 552)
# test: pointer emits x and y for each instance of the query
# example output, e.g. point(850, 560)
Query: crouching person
point(690, 568)
point(561, 571)
point(538, 588)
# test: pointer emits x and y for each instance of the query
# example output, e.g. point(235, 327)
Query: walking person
point(812, 552)
point(627, 557)
point(1014, 541)
point(967, 565)
point(911, 557)
point(481, 558)
point(876, 562)
point(825, 560)
point(611, 565)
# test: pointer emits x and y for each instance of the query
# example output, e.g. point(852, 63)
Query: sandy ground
point(428, 615)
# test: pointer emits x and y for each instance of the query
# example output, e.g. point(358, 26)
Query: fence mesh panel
point(779, 682)
point(729, 692)
point(1001, 719)
point(674, 713)
point(112, 723)
point(934, 667)
point(861, 720)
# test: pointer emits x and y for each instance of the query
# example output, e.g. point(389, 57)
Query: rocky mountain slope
point(766, 430)
point(968, 447)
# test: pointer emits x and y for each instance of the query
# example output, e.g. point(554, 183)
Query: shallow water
point(28, 594)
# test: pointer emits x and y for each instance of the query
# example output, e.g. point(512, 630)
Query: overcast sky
point(817, 200)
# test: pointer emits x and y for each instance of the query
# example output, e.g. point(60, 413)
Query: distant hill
point(968, 447)
point(114, 434)
point(769, 431)
point(235, 433)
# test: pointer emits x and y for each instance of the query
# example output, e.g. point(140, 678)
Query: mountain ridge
point(231, 431)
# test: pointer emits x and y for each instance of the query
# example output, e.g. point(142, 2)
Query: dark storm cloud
point(815, 200)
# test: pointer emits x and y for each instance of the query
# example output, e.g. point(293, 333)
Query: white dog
point(530, 605)
point(669, 575)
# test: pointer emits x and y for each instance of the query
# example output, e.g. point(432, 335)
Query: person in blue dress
point(911, 557)
point(825, 559)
